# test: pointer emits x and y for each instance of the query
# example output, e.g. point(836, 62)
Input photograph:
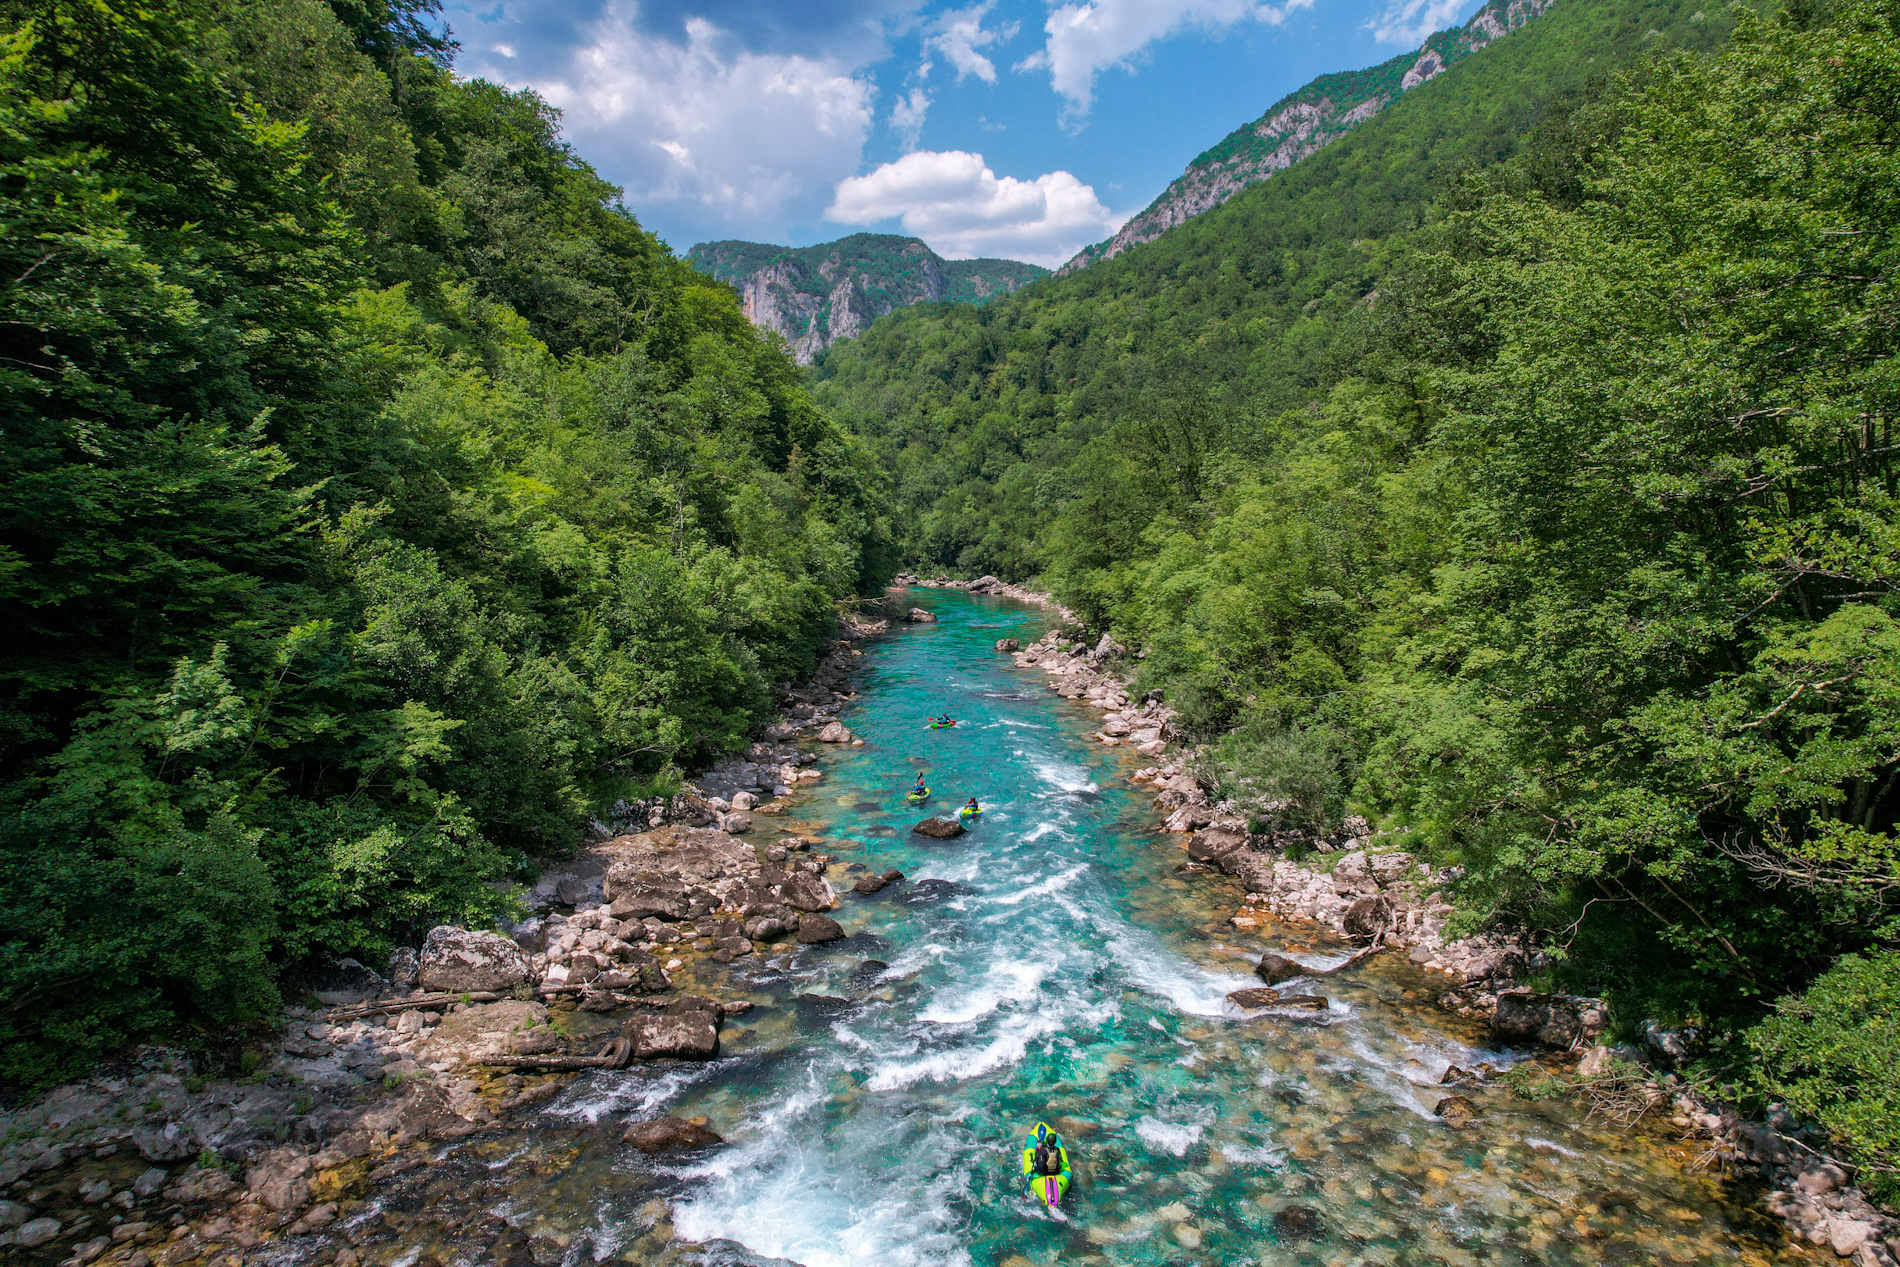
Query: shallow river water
point(1065, 972)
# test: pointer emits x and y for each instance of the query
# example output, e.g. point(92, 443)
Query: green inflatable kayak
point(918, 796)
point(1049, 1181)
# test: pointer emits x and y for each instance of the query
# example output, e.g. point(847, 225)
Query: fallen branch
point(417, 1002)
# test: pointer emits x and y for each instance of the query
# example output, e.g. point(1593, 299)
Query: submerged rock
point(1457, 1112)
point(668, 1134)
point(814, 929)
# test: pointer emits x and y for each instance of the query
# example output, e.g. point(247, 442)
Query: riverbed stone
point(689, 1035)
point(460, 959)
point(343, 982)
point(669, 1134)
point(939, 828)
point(1555, 1020)
point(1299, 1222)
point(1367, 918)
point(835, 732)
point(1008, 644)
point(36, 1232)
point(1456, 1112)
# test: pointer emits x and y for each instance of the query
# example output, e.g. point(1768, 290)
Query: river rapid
point(1056, 967)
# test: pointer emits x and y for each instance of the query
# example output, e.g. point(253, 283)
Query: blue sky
point(1017, 128)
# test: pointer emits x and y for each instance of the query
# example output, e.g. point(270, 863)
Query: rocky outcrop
point(669, 1134)
point(939, 828)
point(457, 959)
point(1304, 123)
point(816, 295)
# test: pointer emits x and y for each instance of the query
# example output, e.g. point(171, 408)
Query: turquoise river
point(1062, 968)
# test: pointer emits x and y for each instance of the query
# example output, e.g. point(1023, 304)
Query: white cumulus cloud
point(959, 33)
point(1091, 36)
point(703, 128)
point(953, 201)
point(1408, 22)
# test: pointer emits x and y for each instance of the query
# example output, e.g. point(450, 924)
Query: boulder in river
point(814, 928)
point(668, 1134)
point(918, 616)
point(461, 959)
point(834, 732)
point(1457, 1112)
point(1254, 998)
point(1305, 1002)
point(1273, 969)
point(804, 891)
point(1299, 1222)
point(687, 1035)
point(939, 828)
point(1214, 844)
point(1008, 644)
point(869, 884)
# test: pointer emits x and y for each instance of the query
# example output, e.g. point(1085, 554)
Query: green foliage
point(1829, 1053)
point(380, 500)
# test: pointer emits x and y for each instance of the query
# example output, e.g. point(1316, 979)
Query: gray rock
point(404, 968)
point(574, 890)
point(692, 1035)
point(280, 1180)
point(767, 928)
point(36, 1232)
point(1819, 1178)
point(149, 1183)
point(1008, 644)
point(813, 929)
point(459, 959)
point(163, 1141)
point(744, 800)
point(14, 1213)
point(835, 732)
point(918, 616)
point(1390, 868)
point(806, 892)
point(939, 828)
point(738, 822)
point(869, 884)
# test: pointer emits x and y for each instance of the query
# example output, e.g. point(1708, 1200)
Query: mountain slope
point(1305, 122)
point(1238, 312)
point(816, 295)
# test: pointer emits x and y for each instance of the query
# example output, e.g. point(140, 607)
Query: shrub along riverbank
point(1572, 559)
point(379, 498)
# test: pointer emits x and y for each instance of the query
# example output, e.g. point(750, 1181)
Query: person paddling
point(920, 789)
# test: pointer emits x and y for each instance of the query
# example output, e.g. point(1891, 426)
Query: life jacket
point(1049, 1156)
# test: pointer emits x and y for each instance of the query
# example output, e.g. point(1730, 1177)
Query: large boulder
point(668, 1134)
point(1214, 844)
point(918, 616)
point(1254, 998)
point(1008, 644)
point(163, 1141)
point(939, 828)
point(804, 891)
point(834, 732)
point(1390, 868)
point(459, 959)
point(1555, 1020)
point(1368, 918)
point(686, 1035)
point(813, 929)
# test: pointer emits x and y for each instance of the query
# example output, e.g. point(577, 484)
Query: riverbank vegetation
point(1542, 510)
point(379, 500)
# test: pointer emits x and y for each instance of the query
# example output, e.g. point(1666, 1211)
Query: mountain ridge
point(1302, 123)
point(816, 295)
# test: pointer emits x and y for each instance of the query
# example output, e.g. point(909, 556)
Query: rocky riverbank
point(1387, 901)
point(178, 1158)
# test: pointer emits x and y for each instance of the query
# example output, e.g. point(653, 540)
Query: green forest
point(1519, 472)
point(379, 498)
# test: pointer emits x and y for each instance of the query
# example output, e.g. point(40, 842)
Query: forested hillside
point(379, 498)
point(1518, 472)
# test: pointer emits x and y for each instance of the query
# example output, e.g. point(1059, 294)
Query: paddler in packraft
point(1045, 1165)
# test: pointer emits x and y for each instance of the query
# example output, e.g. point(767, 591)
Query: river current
point(1060, 968)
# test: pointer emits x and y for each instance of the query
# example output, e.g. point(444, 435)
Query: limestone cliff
point(1298, 125)
point(816, 295)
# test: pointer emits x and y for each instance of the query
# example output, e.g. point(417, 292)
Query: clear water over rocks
point(1051, 963)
